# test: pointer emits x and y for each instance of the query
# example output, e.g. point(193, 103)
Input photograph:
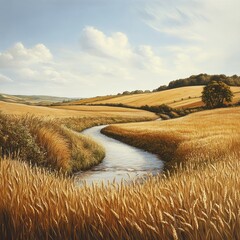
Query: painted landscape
point(84, 157)
point(43, 155)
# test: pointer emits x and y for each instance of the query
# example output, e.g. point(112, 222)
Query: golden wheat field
point(92, 99)
point(176, 98)
point(194, 204)
point(75, 111)
point(207, 134)
point(197, 200)
point(44, 135)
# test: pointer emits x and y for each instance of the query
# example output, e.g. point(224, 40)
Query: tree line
point(194, 80)
point(201, 79)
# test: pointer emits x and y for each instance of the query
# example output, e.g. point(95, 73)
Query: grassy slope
point(104, 111)
point(78, 111)
point(204, 135)
point(178, 97)
point(47, 144)
point(199, 201)
point(90, 100)
point(44, 141)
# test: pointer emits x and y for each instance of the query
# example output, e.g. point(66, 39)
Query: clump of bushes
point(16, 140)
point(34, 140)
point(164, 111)
point(47, 144)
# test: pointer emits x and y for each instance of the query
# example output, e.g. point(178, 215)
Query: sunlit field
point(119, 120)
point(73, 111)
point(194, 204)
point(184, 97)
point(44, 136)
point(47, 144)
point(205, 135)
point(197, 200)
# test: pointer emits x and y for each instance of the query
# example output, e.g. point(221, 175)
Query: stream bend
point(121, 163)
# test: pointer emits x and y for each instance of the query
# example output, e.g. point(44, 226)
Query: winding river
point(121, 163)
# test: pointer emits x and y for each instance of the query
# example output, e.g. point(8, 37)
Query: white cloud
point(110, 63)
point(117, 47)
point(208, 21)
point(34, 64)
point(184, 19)
point(104, 64)
point(96, 42)
point(4, 78)
point(19, 56)
point(148, 59)
point(208, 29)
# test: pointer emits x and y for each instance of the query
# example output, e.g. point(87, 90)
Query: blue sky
point(81, 48)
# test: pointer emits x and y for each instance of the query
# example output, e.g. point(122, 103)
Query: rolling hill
point(185, 97)
point(77, 111)
point(33, 99)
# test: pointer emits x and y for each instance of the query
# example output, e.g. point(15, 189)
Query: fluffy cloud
point(96, 42)
point(103, 64)
point(19, 56)
point(117, 47)
point(148, 59)
point(34, 64)
point(110, 63)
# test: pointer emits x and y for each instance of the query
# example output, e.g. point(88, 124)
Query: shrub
point(216, 93)
point(17, 141)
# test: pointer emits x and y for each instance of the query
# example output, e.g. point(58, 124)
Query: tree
point(215, 93)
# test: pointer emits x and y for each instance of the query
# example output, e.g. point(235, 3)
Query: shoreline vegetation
point(55, 144)
point(197, 199)
point(202, 135)
point(48, 137)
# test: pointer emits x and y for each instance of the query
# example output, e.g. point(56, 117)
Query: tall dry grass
point(200, 199)
point(85, 152)
point(51, 143)
point(205, 136)
point(73, 111)
point(57, 148)
point(80, 123)
point(47, 143)
point(192, 204)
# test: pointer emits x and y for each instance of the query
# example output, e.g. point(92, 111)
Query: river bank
point(122, 162)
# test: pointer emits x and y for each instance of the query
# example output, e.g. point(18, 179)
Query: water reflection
point(122, 162)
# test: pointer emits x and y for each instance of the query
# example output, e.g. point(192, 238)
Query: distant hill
point(183, 97)
point(200, 79)
point(177, 98)
point(33, 100)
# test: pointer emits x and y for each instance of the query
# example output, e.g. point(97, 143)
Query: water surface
point(122, 161)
